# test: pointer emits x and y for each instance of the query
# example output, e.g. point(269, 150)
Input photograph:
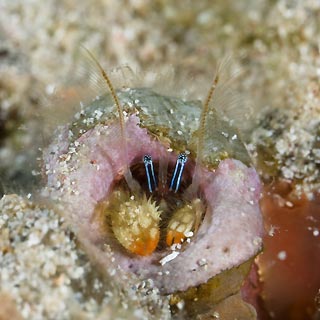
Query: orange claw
point(145, 246)
point(174, 237)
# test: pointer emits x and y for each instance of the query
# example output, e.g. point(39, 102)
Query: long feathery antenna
point(133, 185)
point(191, 191)
point(204, 115)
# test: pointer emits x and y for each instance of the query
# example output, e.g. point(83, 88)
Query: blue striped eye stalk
point(178, 170)
point(152, 183)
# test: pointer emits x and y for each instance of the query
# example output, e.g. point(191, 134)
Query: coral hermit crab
point(165, 183)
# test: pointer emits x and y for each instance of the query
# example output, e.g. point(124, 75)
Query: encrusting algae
point(164, 183)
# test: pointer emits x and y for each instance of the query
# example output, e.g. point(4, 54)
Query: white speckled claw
point(178, 170)
point(152, 183)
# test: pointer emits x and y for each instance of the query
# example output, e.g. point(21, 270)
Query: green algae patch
point(171, 120)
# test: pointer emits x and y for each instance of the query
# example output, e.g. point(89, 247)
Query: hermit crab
point(166, 184)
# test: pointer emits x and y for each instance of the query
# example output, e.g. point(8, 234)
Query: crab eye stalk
point(178, 170)
point(152, 183)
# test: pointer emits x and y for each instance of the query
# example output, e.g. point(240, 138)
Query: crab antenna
point(133, 185)
point(202, 123)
